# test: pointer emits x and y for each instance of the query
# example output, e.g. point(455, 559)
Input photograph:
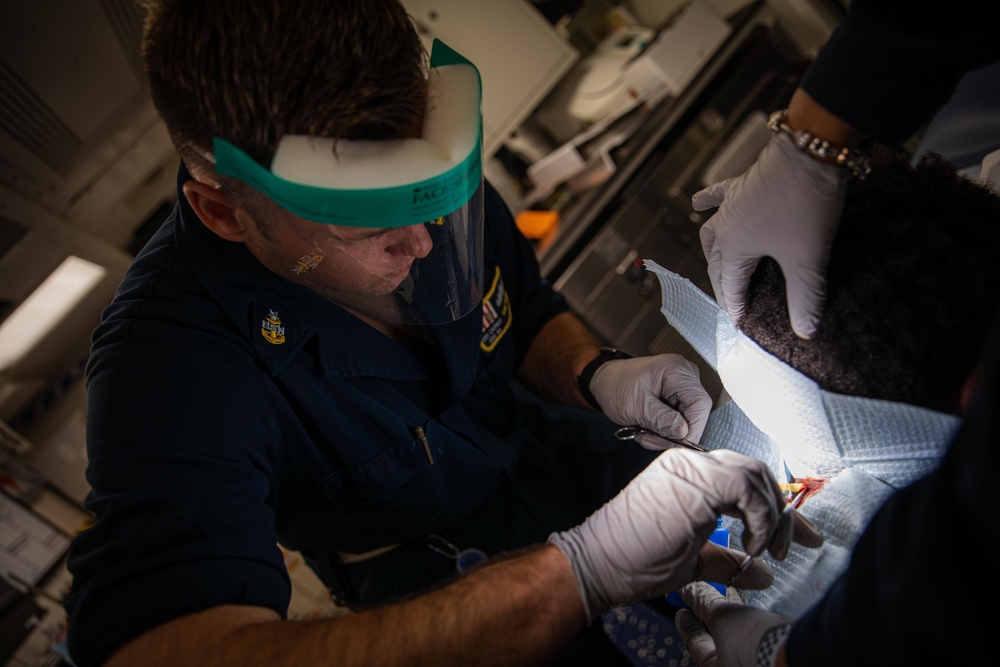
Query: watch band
point(587, 374)
point(767, 650)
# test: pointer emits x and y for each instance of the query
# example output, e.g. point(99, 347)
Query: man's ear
point(216, 209)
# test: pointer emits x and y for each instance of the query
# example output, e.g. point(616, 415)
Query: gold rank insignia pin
point(271, 329)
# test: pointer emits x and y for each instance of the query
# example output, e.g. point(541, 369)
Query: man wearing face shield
point(322, 348)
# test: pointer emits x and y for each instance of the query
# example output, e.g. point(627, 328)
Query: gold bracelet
point(820, 149)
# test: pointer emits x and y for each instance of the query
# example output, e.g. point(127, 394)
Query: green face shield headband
point(391, 183)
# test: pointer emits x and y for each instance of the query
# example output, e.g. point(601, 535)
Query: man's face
point(331, 259)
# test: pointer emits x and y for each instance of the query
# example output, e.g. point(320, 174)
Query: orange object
point(537, 224)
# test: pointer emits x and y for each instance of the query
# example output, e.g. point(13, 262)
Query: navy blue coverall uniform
point(230, 410)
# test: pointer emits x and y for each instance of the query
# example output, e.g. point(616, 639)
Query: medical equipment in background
point(518, 72)
point(600, 103)
point(594, 88)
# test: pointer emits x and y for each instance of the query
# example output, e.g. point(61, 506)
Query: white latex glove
point(662, 393)
point(652, 537)
point(720, 632)
point(787, 205)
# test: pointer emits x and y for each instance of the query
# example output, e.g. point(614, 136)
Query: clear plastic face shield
point(395, 227)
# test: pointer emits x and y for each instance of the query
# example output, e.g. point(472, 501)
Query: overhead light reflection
point(46, 307)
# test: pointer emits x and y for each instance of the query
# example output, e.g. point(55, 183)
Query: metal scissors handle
point(633, 432)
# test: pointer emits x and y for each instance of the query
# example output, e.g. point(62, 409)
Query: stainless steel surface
point(644, 211)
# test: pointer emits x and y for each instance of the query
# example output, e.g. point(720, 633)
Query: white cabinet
point(518, 53)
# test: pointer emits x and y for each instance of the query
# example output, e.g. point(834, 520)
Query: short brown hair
point(252, 71)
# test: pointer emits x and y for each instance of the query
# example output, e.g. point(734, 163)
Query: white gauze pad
point(865, 448)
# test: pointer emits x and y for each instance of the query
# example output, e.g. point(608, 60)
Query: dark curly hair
point(912, 287)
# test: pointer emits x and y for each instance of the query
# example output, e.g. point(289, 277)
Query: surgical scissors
point(633, 432)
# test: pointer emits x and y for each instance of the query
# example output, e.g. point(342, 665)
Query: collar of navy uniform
point(248, 301)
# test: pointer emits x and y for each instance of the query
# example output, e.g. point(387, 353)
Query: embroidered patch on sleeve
point(497, 315)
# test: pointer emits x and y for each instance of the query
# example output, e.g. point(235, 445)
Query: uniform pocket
point(398, 490)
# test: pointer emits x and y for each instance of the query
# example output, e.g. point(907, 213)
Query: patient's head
point(912, 288)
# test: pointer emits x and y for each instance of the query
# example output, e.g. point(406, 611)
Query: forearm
point(531, 597)
point(557, 355)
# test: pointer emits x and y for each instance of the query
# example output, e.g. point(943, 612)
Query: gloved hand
point(662, 393)
point(652, 537)
point(787, 205)
point(734, 630)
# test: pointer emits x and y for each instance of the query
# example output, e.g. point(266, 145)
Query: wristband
point(820, 149)
point(587, 374)
point(767, 650)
